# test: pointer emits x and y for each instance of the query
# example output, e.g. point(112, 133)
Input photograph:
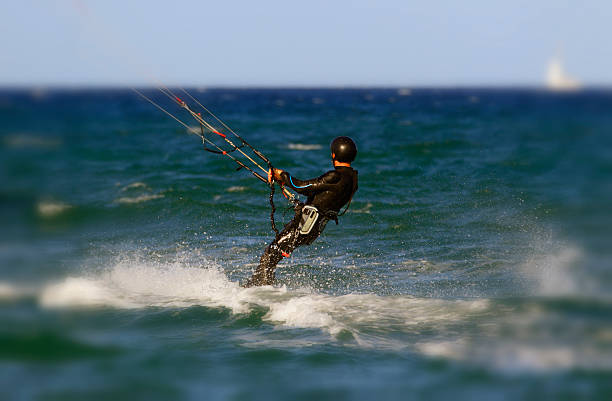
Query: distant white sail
point(556, 79)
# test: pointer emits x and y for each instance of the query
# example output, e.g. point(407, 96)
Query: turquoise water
point(474, 263)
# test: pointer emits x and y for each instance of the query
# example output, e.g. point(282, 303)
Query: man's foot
point(259, 279)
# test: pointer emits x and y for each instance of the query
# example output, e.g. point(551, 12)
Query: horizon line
point(104, 86)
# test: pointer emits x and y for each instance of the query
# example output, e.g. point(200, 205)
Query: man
point(326, 194)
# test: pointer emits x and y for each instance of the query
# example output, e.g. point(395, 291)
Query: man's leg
point(287, 241)
point(281, 246)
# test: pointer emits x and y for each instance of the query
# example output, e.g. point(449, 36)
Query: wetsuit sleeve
point(312, 186)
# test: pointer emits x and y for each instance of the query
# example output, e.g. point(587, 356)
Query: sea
point(474, 263)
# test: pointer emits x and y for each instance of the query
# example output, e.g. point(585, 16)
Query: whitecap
point(51, 209)
point(79, 291)
point(9, 291)
point(366, 209)
point(237, 188)
point(31, 141)
point(511, 356)
point(135, 185)
point(304, 146)
point(138, 199)
point(374, 321)
point(137, 284)
point(553, 272)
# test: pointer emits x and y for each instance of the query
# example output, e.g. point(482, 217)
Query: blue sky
point(302, 43)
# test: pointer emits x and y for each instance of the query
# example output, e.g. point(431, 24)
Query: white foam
point(135, 185)
point(176, 285)
point(370, 318)
point(305, 311)
point(304, 146)
point(76, 291)
point(237, 188)
point(512, 356)
point(366, 209)
point(51, 209)
point(138, 199)
point(554, 272)
point(139, 284)
point(447, 349)
point(10, 291)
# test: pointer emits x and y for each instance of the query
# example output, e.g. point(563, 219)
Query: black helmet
point(344, 148)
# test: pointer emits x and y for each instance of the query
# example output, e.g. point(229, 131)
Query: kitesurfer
point(326, 195)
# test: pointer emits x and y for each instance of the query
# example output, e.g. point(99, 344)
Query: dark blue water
point(474, 263)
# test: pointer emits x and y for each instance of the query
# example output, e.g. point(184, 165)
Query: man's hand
point(274, 174)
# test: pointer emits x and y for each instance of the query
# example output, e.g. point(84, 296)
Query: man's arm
point(307, 187)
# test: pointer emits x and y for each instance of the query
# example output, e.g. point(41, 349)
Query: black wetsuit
point(328, 193)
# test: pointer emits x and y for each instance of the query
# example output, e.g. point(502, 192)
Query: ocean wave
point(137, 284)
point(135, 185)
point(512, 356)
point(31, 141)
point(304, 146)
point(237, 188)
point(365, 209)
point(8, 291)
point(502, 335)
point(83, 292)
point(51, 209)
point(11, 292)
point(138, 199)
point(557, 273)
point(554, 272)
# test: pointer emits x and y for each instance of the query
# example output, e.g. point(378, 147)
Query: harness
point(310, 214)
point(355, 186)
point(308, 218)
